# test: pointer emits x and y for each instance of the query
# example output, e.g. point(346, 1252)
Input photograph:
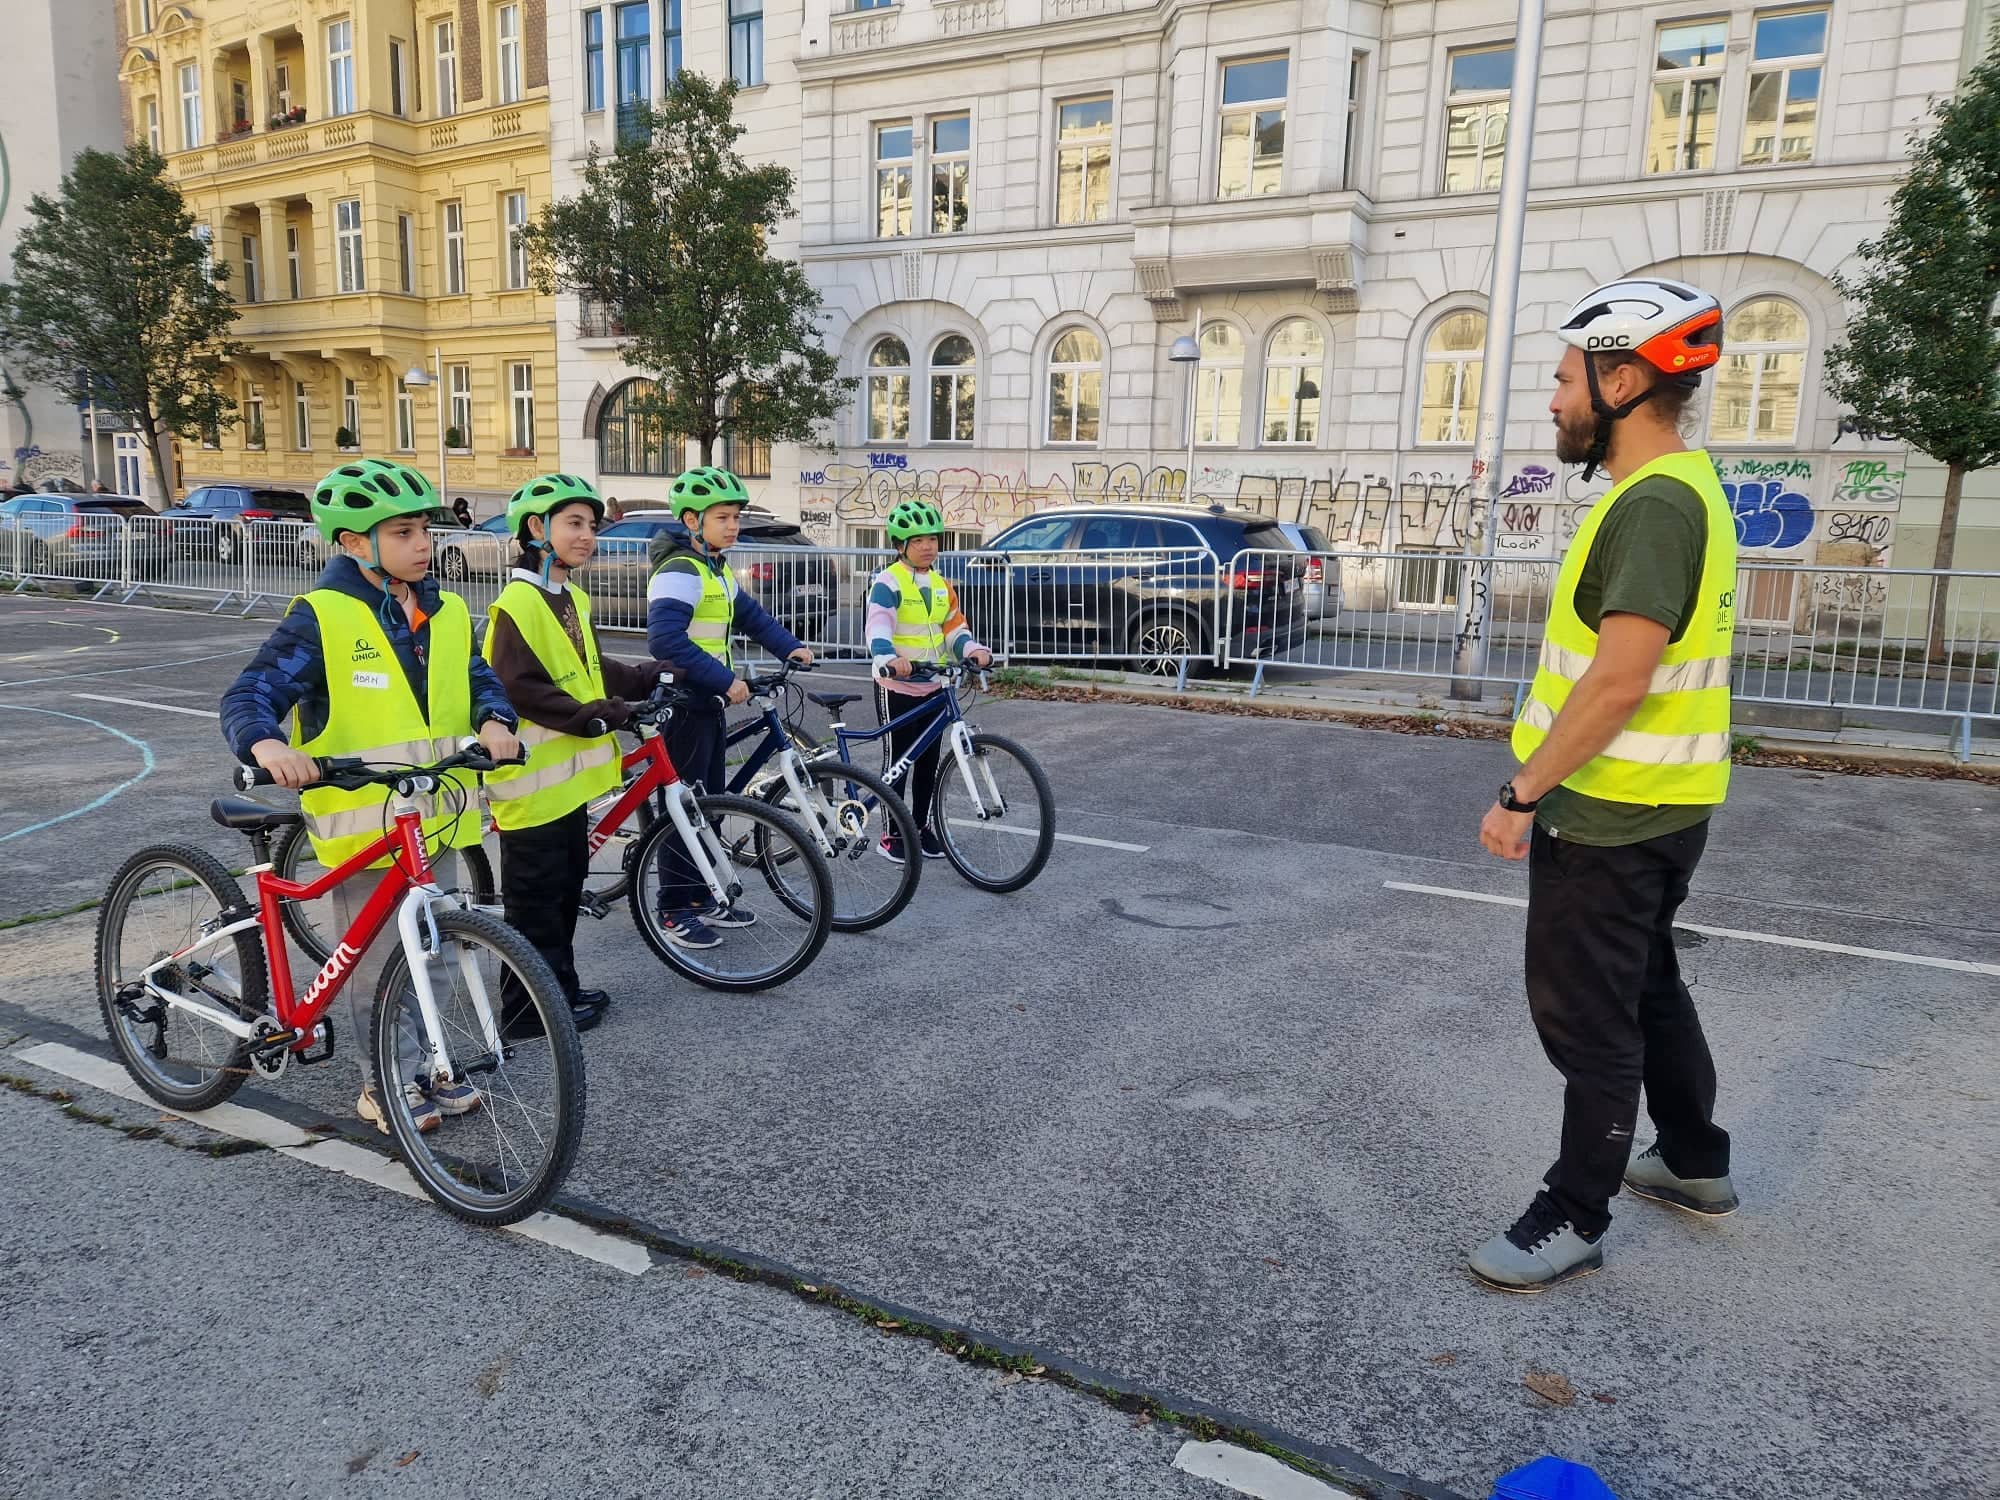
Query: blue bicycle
point(992, 811)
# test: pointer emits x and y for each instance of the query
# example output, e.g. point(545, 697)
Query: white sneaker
point(422, 1110)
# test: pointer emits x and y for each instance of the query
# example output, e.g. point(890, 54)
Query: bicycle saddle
point(833, 700)
point(248, 816)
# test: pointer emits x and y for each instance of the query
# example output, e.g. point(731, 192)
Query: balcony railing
point(599, 320)
point(292, 136)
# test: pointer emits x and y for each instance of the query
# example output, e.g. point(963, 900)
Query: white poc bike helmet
point(1676, 329)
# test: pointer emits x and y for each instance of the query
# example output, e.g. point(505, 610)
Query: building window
point(189, 75)
point(350, 411)
point(593, 61)
point(746, 457)
point(1083, 161)
point(889, 391)
point(239, 105)
point(893, 169)
point(459, 379)
point(954, 389)
point(205, 237)
point(1350, 141)
point(1076, 387)
point(672, 40)
point(1218, 409)
point(631, 439)
point(516, 206)
point(399, 78)
point(1292, 364)
point(293, 270)
point(1453, 355)
point(253, 419)
point(152, 113)
point(1687, 87)
point(406, 418)
point(444, 50)
point(951, 174)
point(1758, 380)
point(746, 42)
point(509, 18)
point(454, 249)
point(250, 287)
point(282, 87)
point(1783, 114)
point(340, 67)
point(347, 245)
point(1250, 160)
point(142, 17)
point(521, 388)
point(635, 64)
point(301, 418)
point(406, 253)
point(1475, 118)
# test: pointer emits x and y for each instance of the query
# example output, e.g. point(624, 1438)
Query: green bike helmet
point(698, 489)
point(546, 495)
point(915, 518)
point(360, 496)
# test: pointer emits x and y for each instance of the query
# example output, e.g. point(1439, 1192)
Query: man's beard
point(1573, 445)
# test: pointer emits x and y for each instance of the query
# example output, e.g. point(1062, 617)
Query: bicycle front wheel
point(497, 1157)
point(312, 925)
point(997, 833)
point(777, 898)
point(856, 814)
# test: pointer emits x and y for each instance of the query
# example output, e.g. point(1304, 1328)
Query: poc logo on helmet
point(1610, 340)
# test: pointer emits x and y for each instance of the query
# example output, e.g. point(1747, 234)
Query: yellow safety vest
point(1675, 749)
point(715, 615)
point(564, 771)
point(919, 626)
point(372, 714)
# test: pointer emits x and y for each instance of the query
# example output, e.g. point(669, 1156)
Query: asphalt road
point(1215, 1114)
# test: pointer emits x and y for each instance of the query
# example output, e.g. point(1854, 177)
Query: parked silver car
point(80, 536)
point(1320, 591)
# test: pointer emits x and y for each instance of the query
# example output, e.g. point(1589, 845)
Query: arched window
point(1292, 364)
point(889, 391)
point(1076, 387)
point(954, 388)
point(1453, 355)
point(745, 457)
point(1757, 383)
point(1219, 387)
point(631, 437)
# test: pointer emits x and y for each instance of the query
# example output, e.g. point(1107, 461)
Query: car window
point(122, 507)
point(196, 499)
point(1315, 539)
point(630, 528)
point(775, 536)
point(1043, 534)
point(286, 502)
point(1267, 536)
point(1104, 532)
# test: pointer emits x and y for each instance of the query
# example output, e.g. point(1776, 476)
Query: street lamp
point(1187, 351)
point(417, 378)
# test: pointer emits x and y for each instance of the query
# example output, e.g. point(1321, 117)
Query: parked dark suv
point(1048, 584)
point(214, 522)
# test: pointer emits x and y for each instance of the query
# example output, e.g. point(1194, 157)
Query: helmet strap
point(1600, 443)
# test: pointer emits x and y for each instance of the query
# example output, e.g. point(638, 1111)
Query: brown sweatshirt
point(538, 699)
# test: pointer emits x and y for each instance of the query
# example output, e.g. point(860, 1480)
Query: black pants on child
point(1605, 991)
point(924, 772)
point(542, 873)
point(695, 746)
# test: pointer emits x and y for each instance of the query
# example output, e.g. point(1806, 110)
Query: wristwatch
point(1513, 803)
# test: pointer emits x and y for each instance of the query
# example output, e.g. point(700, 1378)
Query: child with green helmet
point(914, 615)
point(373, 658)
point(572, 700)
point(694, 606)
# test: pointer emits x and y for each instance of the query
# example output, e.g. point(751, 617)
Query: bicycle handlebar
point(931, 671)
point(347, 774)
point(770, 682)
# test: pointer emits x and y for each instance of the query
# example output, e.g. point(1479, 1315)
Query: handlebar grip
point(252, 776)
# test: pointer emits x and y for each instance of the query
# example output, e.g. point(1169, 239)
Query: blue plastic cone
point(1552, 1479)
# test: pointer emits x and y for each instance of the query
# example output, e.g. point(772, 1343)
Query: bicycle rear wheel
point(1000, 841)
point(855, 811)
point(499, 1161)
point(756, 851)
point(157, 905)
point(312, 925)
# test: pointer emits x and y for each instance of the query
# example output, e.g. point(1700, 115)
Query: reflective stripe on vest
point(919, 626)
point(1675, 747)
point(715, 614)
point(373, 715)
point(564, 771)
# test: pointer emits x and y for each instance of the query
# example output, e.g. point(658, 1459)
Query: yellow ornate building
point(363, 167)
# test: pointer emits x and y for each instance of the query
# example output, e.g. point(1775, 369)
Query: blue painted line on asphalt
point(145, 753)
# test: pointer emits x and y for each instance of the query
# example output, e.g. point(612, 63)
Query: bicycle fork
point(703, 848)
point(987, 805)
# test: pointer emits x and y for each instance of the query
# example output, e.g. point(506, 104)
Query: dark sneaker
point(736, 914)
point(588, 1008)
point(1541, 1249)
point(890, 848)
point(1649, 1177)
point(455, 1098)
point(933, 845)
point(686, 929)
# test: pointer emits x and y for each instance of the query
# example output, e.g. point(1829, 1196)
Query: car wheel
point(1162, 640)
point(225, 547)
point(452, 565)
point(308, 554)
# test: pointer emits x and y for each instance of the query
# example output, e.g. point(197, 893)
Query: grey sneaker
point(1541, 1249)
point(1650, 1177)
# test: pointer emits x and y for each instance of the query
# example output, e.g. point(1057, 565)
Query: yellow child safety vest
point(371, 713)
point(919, 626)
point(564, 771)
point(1675, 749)
point(715, 615)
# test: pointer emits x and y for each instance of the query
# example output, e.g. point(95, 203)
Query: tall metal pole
point(1194, 402)
point(437, 359)
point(1475, 594)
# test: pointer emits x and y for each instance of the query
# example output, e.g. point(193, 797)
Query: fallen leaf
point(408, 1458)
point(1276, 1264)
point(1038, 1370)
point(695, 1273)
point(1142, 1420)
point(1012, 1377)
point(1550, 1386)
point(1446, 1358)
point(807, 1286)
point(1021, 1008)
point(1601, 1396)
point(889, 1323)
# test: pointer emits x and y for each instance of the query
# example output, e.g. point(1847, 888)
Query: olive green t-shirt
point(1646, 561)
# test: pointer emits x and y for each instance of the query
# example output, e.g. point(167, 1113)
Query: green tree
point(1920, 361)
point(114, 295)
point(669, 240)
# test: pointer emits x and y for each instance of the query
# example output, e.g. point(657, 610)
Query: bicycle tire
point(847, 915)
point(819, 920)
point(949, 786)
point(450, 1189)
point(293, 849)
point(203, 870)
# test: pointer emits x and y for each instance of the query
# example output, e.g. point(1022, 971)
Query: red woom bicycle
point(197, 993)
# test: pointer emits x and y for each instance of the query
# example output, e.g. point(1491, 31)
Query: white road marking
point(165, 708)
point(331, 1153)
point(1249, 1472)
point(1061, 838)
point(1921, 960)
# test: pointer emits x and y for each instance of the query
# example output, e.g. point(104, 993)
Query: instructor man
point(1624, 751)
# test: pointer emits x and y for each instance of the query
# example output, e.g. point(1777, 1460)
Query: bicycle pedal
point(590, 904)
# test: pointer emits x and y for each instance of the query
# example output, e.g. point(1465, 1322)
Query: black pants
point(1605, 990)
point(542, 873)
point(924, 772)
point(695, 746)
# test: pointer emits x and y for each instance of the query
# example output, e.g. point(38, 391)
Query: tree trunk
point(1947, 544)
point(156, 445)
